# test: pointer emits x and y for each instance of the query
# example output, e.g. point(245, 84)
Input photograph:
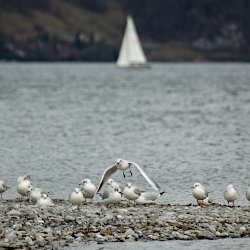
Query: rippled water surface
point(223, 244)
point(181, 122)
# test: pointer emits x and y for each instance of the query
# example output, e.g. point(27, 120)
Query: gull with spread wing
point(124, 165)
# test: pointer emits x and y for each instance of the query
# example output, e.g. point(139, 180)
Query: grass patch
point(16, 25)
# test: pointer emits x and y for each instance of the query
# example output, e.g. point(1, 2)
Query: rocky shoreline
point(28, 226)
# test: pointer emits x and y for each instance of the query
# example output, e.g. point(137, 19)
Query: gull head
point(120, 161)
point(129, 185)
point(229, 186)
point(117, 190)
point(77, 190)
point(31, 189)
point(26, 177)
point(44, 196)
point(196, 184)
point(85, 181)
point(110, 181)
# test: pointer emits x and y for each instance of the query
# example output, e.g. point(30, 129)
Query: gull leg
point(123, 174)
point(130, 172)
point(202, 205)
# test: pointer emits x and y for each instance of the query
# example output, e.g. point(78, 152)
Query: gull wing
point(105, 194)
point(149, 180)
point(107, 173)
point(205, 190)
point(137, 191)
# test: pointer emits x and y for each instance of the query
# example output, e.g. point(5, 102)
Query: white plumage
point(230, 194)
point(3, 188)
point(131, 192)
point(44, 201)
point(148, 197)
point(124, 165)
point(76, 197)
point(199, 192)
point(248, 193)
point(88, 188)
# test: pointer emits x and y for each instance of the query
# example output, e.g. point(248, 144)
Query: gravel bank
point(27, 226)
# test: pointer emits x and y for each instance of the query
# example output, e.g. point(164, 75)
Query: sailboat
point(131, 54)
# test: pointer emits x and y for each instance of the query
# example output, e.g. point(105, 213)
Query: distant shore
point(26, 225)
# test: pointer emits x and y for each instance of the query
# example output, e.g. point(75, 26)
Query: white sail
point(131, 53)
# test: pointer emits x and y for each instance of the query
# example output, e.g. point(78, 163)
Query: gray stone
point(14, 213)
point(69, 218)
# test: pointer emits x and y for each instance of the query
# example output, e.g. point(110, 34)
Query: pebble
point(31, 227)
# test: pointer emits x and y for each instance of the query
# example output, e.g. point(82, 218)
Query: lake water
point(183, 123)
point(222, 244)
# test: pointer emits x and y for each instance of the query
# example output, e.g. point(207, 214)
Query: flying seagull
point(124, 165)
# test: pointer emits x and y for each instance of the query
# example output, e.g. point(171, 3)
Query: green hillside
point(91, 30)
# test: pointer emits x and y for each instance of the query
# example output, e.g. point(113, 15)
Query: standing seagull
point(23, 185)
point(248, 193)
point(3, 188)
point(44, 200)
point(131, 192)
point(76, 197)
point(88, 188)
point(113, 184)
point(35, 194)
point(230, 194)
point(111, 197)
point(123, 165)
point(200, 193)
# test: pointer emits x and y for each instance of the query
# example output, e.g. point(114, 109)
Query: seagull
point(149, 197)
point(111, 197)
point(248, 193)
point(113, 184)
point(22, 178)
point(230, 194)
point(88, 188)
point(3, 188)
point(123, 165)
point(44, 200)
point(24, 185)
point(76, 197)
point(206, 202)
point(131, 192)
point(35, 194)
point(200, 193)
